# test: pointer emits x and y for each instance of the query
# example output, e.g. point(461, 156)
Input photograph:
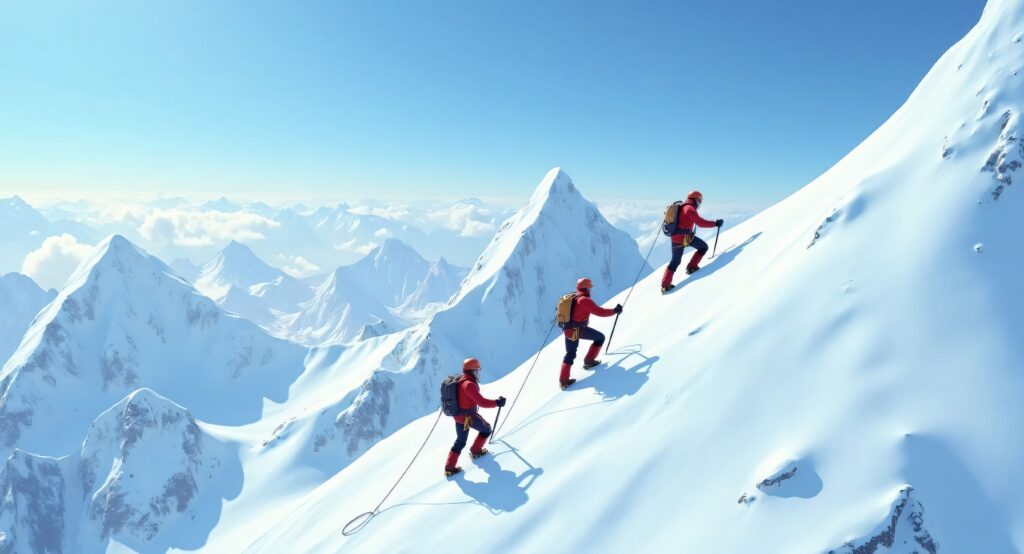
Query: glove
point(618, 308)
point(719, 222)
point(500, 401)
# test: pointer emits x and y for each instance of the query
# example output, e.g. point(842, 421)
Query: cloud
point(298, 266)
point(354, 246)
point(196, 228)
point(382, 233)
point(469, 220)
point(53, 262)
point(394, 212)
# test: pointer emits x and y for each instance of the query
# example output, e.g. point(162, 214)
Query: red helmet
point(584, 283)
point(696, 196)
point(470, 364)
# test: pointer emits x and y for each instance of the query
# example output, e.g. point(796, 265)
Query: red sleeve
point(591, 307)
point(700, 221)
point(472, 392)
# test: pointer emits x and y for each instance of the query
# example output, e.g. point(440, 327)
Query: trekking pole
point(364, 518)
point(715, 249)
point(496, 419)
point(513, 404)
point(630, 293)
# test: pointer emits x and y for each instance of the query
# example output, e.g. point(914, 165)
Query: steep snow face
point(126, 321)
point(20, 301)
point(384, 290)
point(501, 314)
point(146, 467)
point(844, 376)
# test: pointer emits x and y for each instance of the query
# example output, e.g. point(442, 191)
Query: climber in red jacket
point(469, 401)
point(580, 329)
point(684, 236)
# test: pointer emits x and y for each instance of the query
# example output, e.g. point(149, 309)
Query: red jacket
point(688, 217)
point(470, 397)
point(585, 307)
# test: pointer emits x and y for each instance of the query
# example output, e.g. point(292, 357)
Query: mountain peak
point(555, 183)
point(16, 202)
point(393, 248)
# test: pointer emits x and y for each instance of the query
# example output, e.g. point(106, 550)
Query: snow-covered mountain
point(234, 266)
point(845, 376)
point(20, 301)
point(501, 314)
point(388, 289)
point(126, 321)
point(441, 281)
point(243, 284)
point(146, 476)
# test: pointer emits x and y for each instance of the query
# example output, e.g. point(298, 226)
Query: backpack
point(672, 213)
point(563, 311)
point(450, 395)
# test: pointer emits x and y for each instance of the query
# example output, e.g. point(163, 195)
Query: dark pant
point(462, 433)
point(677, 253)
point(586, 333)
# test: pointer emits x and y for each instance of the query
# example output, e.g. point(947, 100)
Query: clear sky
point(748, 100)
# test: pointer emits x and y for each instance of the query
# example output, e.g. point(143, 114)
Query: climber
point(577, 328)
point(466, 391)
point(680, 217)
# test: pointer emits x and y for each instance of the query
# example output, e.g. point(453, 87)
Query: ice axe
point(496, 418)
point(715, 249)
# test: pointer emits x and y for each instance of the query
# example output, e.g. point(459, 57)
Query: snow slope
point(844, 376)
point(126, 321)
point(20, 301)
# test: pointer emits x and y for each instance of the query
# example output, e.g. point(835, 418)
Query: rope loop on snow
point(525, 379)
point(361, 520)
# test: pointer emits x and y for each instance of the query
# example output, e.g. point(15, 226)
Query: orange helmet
point(470, 364)
point(696, 196)
point(584, 283)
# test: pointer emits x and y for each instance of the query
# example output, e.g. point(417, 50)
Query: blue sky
point(747, 100)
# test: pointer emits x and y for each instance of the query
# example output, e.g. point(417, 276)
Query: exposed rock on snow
point(904, 531)
point(32, 505)
point(795, 478)
point(143, 465)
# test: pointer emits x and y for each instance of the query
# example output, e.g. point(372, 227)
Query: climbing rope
point(360, 521)
point(630, 293)
point(525, 379)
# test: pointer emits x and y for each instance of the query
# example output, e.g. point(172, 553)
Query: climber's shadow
point(616, 381)
point(504, 490)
